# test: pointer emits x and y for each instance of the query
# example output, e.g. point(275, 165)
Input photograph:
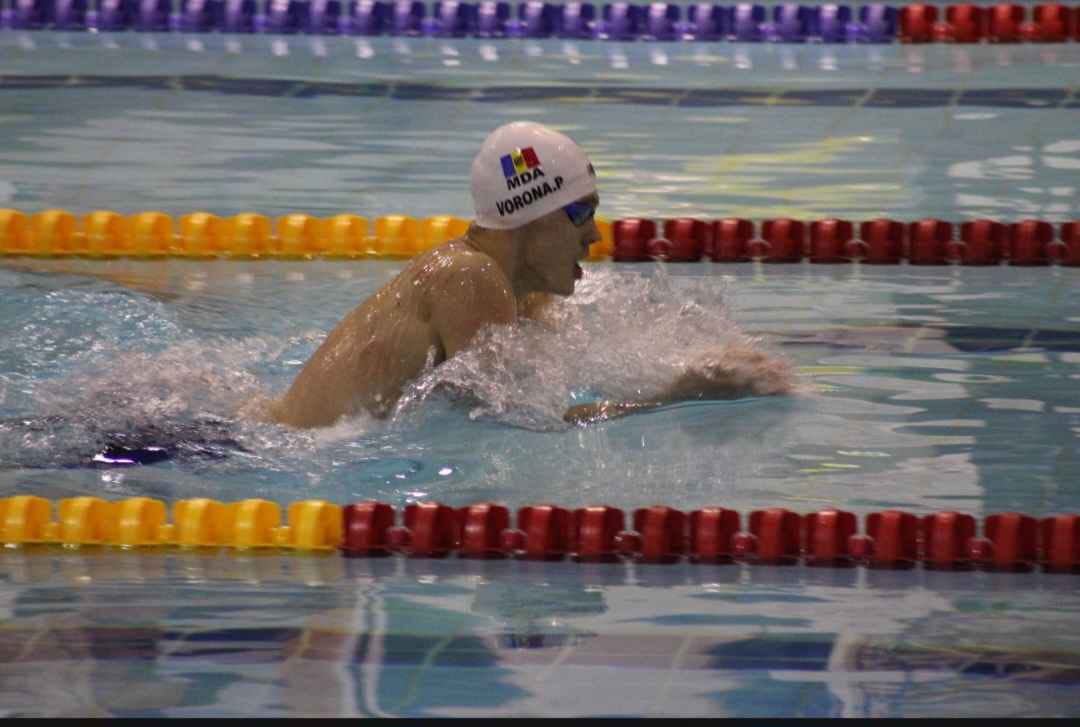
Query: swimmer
point(535, 197)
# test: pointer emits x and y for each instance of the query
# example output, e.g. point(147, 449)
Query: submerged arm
point(600, 411)
point(728, 373)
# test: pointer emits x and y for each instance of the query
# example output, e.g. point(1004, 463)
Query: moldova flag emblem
point(519, 161)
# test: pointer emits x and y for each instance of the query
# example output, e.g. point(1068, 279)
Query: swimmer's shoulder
point(463, 290)
point(454, 267)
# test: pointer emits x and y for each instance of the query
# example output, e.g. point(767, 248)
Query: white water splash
point(189, 378)
point(621, 336)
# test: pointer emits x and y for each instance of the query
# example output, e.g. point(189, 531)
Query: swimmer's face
point(557, 246)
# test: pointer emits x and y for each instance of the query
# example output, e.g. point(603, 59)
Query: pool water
point(924, 389)
point(230, 124)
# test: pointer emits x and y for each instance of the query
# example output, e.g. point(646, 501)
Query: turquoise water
point(921, 388)
point(230, 124)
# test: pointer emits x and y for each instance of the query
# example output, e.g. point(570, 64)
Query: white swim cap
point(524, 171)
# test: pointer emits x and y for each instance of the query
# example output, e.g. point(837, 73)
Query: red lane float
point(546, 532)
point(631, 238)
point(945, 537)
point(917, 23)
point(711, 533)
point(367, 528)
point(1006, 23)
point(1010, 543)
point(928, 242)
point(595, 531)
point(828, 538)
point(830, 241)
point(1068, 252)
point(891, 540)
point(782, 241)
point(480, 528)
point(775, 536)
point(1051, 23)
point(881, 242)
point(662, 532)
point(1060, 536)
point(1028, 242)
point(684, 241)
point(730, 240)
point(965, 23)
point(878, 242)
point(981, 242)
point(430, 531)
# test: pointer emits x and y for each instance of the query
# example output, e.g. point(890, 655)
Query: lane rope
point(108, 234)
point(890, 539)
point(658, 22)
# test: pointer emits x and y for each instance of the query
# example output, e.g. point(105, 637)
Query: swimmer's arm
point(731, 373)
point(601, 411)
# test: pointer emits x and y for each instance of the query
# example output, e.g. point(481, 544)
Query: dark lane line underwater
point(869, 97)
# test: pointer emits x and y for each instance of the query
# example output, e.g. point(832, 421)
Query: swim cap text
point(535, 193)
point(524, 178)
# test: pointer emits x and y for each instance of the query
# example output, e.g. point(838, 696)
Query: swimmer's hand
point(730, 373)
point(601, 411)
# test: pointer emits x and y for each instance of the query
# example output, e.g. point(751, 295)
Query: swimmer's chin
point(566, 290)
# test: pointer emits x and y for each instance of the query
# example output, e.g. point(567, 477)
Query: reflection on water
point(199, 633)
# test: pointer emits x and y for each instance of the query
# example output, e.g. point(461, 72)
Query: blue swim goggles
point(580, 212)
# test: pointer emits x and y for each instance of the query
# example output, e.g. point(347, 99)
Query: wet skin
point(432, 310)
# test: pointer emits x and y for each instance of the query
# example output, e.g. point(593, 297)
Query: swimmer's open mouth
point(578, 272)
